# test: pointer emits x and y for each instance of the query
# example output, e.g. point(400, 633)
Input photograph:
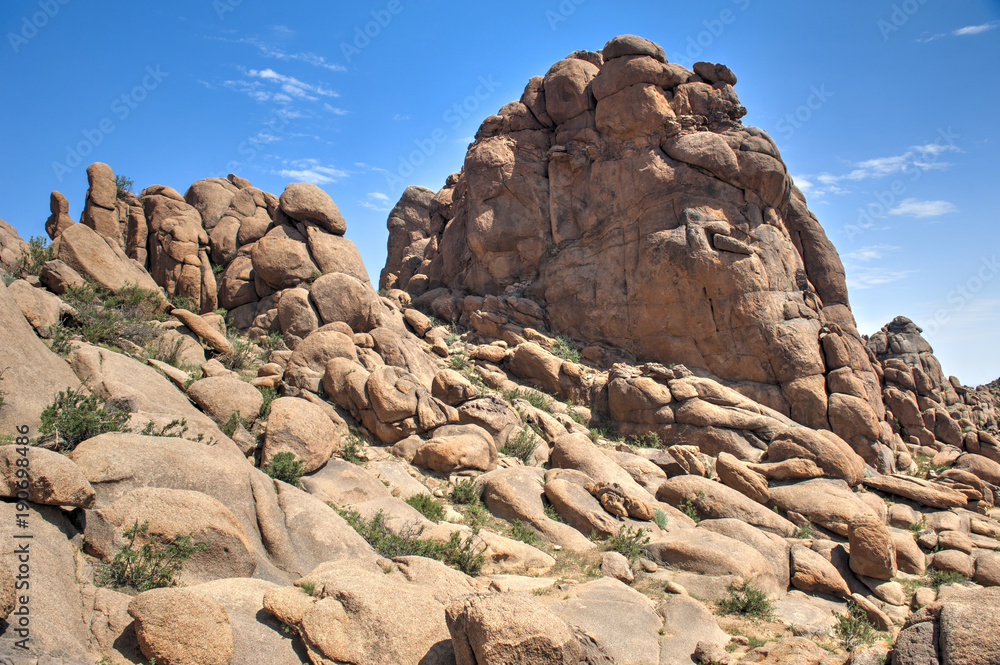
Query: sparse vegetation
point(184, 302)
point(308, 587)
point(645, 440)
point(917, 527)
point(520, 531)
point(284, 467)
point(522, 445)
point(689, 509)
point(107, 318)
point(74, 417)
point(242, 356)
point(660, 518)
point(564, 349)
point(427, 506)
point(458, 361)
point(803, 532)
point(854, 628)
point(270, 394)
point(937, 578)
point(230, 426)
point(746, 599)
point(629, 542)
point(32, 258)
point(350, 450)
point(123, 185)
point(464, 492)
point(152, 565)
point(457, 552)
point(530, 396)
point(552, 513)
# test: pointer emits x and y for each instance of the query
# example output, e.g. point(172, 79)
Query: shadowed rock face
point(625, 185)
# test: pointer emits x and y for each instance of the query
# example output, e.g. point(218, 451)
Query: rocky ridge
point(840, 475)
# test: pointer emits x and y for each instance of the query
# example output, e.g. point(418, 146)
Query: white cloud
point(291, 86)
point(377, 201)
point(871, 252)
point(974, 29)
point(311, 170)
point(916, 208)
point(378, 196)
point(869, 277)
point(918, 157)
point(335, 110)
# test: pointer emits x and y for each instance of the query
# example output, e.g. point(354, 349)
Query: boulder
point(306, 202)
point(920, 490)
point(59, 220)
point(872, 551)
point(91, 256)
point(686, 624)
point(458, 448)
point(180, 626)
point(717, 501)
point(826, 449)
point(737, 475)
point(52, 478)
point(282, 262)
point(222, 396)
point(341, 297)
point(813, 572)
point(302, 428)
point(827, 502)
point(509, 628)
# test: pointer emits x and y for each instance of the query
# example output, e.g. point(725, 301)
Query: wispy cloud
point(312, 170)
point(867, 278)
point(916, 208)
point(376, 201)
point(292, 86)
point(918, 157)
point(962, 32)
point(270, 51)
point(871, 252)
point(334, 109)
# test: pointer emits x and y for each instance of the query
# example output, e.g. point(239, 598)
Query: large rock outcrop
point(625, 184)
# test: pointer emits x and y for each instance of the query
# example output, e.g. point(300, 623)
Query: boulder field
point(609, 405)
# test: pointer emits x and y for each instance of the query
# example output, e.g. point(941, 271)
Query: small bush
point(660, 518)
point(308, 587)
point(230, 426)
point(476, 514)
point(917, 527)
point(803, 532)
point(242, 356)
point(103, 317)
point(520, 531)
point(350, 450)
point(164, 351)
point(552, 513)
point(465, 493)
point(284, 467)
point(124, 186)
point(645, 440)
point(530, 396)
point(938, 578)
point(74, 418)
point(185, 302)
point(629, 542)
point(272, 342)
point(427, 506)
point(689, 509)
point(522, 446)
point(747, 600)
point(175, 428)
point(270, 394)
point(458, 361)
point(564, 349)
point(32, 258)
point(854, 628)
point(457, 552)
point(150, 566)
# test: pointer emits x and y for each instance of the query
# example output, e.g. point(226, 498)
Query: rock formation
point(562, 474)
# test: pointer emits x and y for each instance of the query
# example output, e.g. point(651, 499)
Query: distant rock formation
point(621, 202)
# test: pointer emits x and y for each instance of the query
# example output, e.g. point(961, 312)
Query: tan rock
point(302, 428)
point(827, 502)
point(51, 478)
point(306, 202)
point(811, 571)
point(872, 551)
point(737, 475)
point(717, 501)
point(920, 490)
point(181, 627)
point(222, 396)
point(827, 450)
point(8, 593)
point(282, 262)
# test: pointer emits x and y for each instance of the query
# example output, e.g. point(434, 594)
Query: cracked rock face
point(624, 184)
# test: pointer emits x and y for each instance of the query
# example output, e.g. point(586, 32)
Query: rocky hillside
point(610, 405)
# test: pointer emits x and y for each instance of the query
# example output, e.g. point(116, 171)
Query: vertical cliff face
point(622, 197)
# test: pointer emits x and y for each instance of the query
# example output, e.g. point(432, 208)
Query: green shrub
point(175, 428)
point(522, 446)
point(645, 440)
point(284, 467)
point(123, 185)
point(803, 532)
point(458, 361)
point(271, 342)
point(242, 356)
point(660, 518)
point(456, 552)
point(103, 317)
point(32, 258)
point(854, 628)
point(629, 542)
point(520, 531)
point(427, 506)
point(564, 349)
point(270, 394)
point(689, 509)
point(73, 418)
point(465, 493)
point(917, 527)
point(532, 397)
point(189, 303)
point(164, 351)
point(350, 449)
point(230, 426)
point(747, 600)
point(938, 578)
point(552, 513)
point(308, 587)
point(153, 565)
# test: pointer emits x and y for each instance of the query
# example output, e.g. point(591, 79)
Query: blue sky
point(884, 112)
